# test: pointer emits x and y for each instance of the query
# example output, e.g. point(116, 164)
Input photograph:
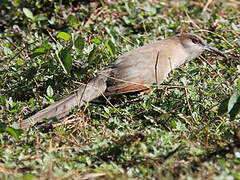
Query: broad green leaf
point(235, 109)
point(223, 108)
point(49, 91)
point(232, 101)
point(64, 36)
point(92, 54)
point(28, 13)
point(230, 105)
point(79, 43)
point(66, 59)
point(110, 46)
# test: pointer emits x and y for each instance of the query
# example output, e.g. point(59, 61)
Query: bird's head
point(195, 45)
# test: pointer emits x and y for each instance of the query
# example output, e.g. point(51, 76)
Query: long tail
point(95, 88)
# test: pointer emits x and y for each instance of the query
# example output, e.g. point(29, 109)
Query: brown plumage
point(133, 71)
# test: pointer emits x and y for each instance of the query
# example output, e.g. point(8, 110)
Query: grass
point(173, 133)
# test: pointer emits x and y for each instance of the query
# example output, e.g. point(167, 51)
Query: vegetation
point(48, 48)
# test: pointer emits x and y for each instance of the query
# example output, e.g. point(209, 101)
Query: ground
point(48, 48)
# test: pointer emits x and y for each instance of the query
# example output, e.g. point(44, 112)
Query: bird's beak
point(215, 50)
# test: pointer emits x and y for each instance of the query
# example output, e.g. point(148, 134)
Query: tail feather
point(95, 88)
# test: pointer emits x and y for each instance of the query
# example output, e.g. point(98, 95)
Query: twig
point(156, 68)
point(51, 36)
point(127, 39)
point(190, 19)
point(147, 85)
point(93, 175)
point(188, 104)
point(172, 153)
point(221, 84)
point(206, 6)
point(170, 63)
point(204, 30)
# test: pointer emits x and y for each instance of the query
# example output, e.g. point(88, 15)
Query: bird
point(132, 71)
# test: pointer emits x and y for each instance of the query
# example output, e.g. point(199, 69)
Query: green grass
point(173, 133)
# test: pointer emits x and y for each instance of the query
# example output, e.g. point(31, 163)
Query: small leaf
point(30, 73)
point(73, 21)
point(111, 47)
point(49, 91)
point(19, 62)
point(31, 101)
point(16, 3)
point(79, 43)
point(29, 176)
point(173, 124)
point(28, 13)
point(41, 50)
point(41, 17)
point(92, 54)
point(66, 59)
point(12, 132)
point(96, 41)
point(2, 127)
point(64, 36)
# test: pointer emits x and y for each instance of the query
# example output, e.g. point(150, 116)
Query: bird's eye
point(195, 41)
